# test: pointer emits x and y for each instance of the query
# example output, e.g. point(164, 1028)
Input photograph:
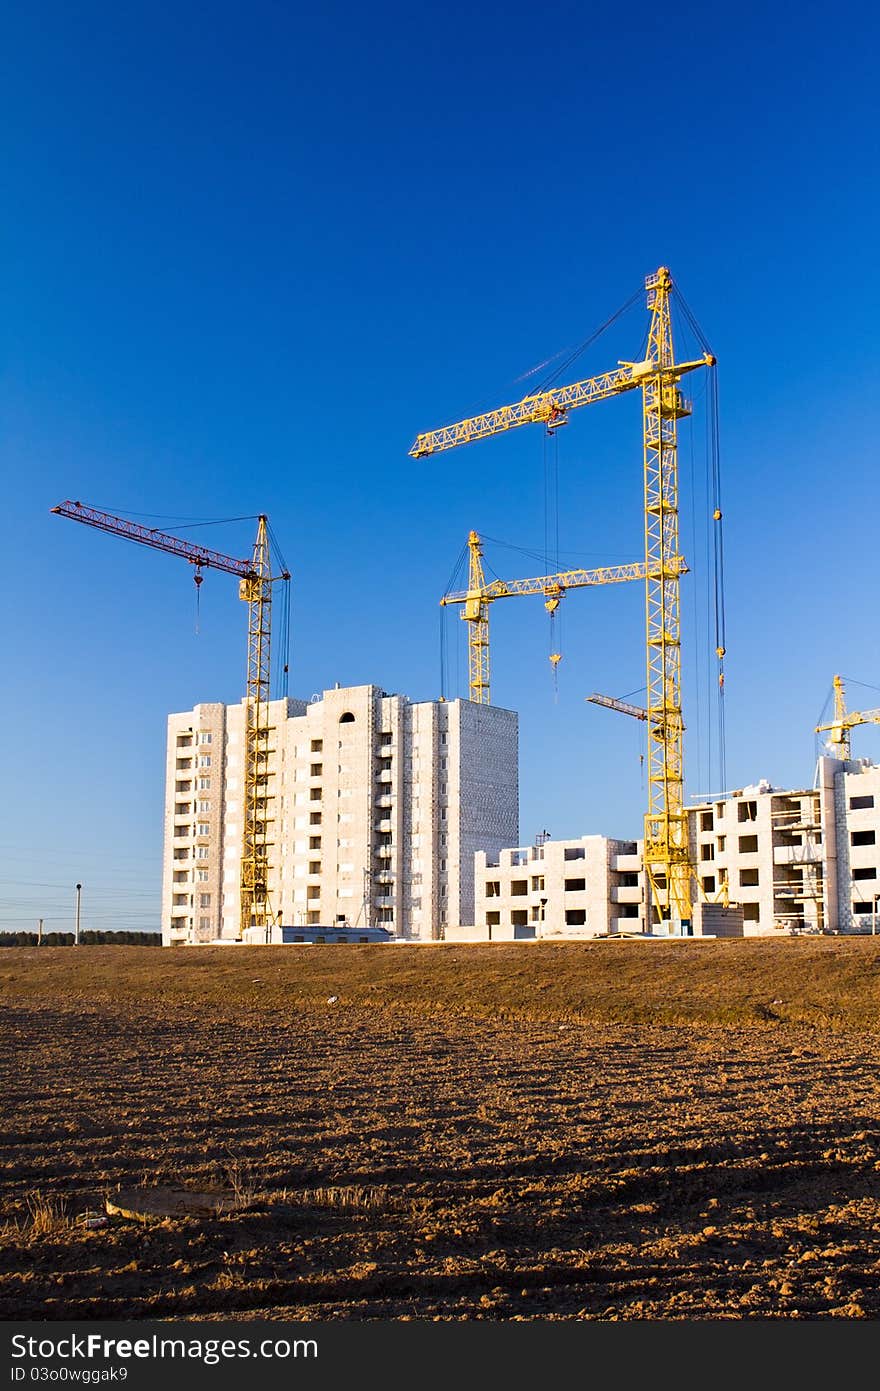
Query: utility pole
point(39, 932)
point(76, 925)
point(367, 904)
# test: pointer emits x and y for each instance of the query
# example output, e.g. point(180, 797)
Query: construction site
point(363, 816)
point(442, 841)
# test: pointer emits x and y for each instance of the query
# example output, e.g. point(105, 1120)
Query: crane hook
point(198, 577)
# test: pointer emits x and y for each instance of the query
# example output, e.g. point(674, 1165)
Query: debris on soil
point(92, 1220)
point(164, 1201)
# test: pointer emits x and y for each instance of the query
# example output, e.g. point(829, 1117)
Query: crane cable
point(198, 577)
point(554, 376)
point(699, 657)
point(551, 540)
point(281, 680)
point(714, 465)
point(718, 566)
point(454, 580)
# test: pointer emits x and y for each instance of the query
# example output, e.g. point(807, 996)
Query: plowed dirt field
point(601, 1131)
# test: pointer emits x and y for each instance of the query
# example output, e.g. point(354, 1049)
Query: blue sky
point(250, 254)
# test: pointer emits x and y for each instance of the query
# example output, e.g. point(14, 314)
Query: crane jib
point(550, 407)
point(200, 556)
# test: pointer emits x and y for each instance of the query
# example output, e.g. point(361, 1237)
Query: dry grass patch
point(354, 1197)
point(46, 1214)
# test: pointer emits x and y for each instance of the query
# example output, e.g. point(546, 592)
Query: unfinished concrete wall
point(192, 885)
point(373, 802)
point(562, 888)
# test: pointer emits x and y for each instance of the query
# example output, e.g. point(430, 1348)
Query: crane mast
point(476, 613)
point(667, 852)
point(667, 848)
point(255, 589)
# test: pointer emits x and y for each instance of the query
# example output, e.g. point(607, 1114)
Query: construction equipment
point(255, 589)
point(657, 376)
point(622, 706)
point(480, 594)
point(844, 721)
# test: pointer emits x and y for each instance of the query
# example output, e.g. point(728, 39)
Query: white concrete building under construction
point(798, 860)
point(378, 806)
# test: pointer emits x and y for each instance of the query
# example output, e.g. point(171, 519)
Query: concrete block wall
point(589, 887)
point(192, 885)
point(377, 805)
point(486, 785)
point(857, 800)
point(803, 860)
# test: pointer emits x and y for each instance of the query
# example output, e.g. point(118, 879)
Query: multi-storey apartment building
point(805, 860)
point(763, 848)
point(799, 860)
point(589, 887)
point(377, 807)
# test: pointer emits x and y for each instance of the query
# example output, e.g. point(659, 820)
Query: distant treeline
point(88, 938)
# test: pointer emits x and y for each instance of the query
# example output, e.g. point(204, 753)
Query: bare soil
point(632, 1130)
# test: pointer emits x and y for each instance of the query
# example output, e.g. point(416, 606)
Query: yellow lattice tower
point(480, 593)
point(667, 855)
point(667, 852)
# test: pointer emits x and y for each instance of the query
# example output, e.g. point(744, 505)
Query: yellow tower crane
point(667, 852)
point(255, 588)
point(480, 594)
point(844, 721)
